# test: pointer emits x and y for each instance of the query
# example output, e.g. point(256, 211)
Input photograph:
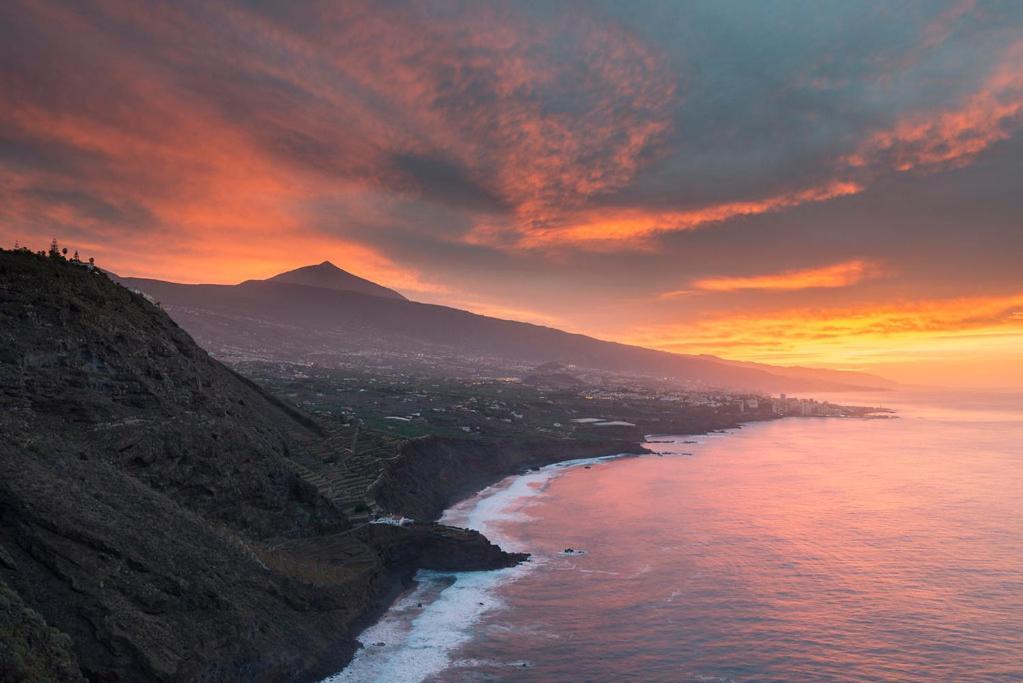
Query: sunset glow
point(741, 194)
point(982, 335)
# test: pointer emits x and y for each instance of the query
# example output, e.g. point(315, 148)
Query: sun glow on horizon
point(943, 336)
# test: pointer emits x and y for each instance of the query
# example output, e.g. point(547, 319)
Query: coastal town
point(555, 402)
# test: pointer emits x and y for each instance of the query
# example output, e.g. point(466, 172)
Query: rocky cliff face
point(433, 473)
point(153, 524)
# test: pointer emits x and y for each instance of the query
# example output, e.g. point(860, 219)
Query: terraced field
point(344, 465)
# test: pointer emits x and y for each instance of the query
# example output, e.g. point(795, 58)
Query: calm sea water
point(794, 550)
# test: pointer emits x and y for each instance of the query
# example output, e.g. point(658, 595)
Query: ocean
point(801, 549)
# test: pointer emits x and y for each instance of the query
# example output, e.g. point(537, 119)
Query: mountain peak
point(326, 275)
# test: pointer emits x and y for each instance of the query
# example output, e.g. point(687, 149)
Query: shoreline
point(499, 461)
point(435, 611)
point(401, 577)
point(532, 606)
point(458, 470)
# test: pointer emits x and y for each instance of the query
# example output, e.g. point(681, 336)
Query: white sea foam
point(418, 642)
point(418, 646)
point(507, 501)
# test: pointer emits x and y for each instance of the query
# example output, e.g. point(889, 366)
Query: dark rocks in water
point(587, 467)
point(437, 547)
point(569, 551)
point(379, 643)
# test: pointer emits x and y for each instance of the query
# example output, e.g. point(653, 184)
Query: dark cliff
point(153, 522)
point(435, 472)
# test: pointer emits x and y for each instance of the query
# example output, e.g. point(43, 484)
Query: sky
point(823, 183)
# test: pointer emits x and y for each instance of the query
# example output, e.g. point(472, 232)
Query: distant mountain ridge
point(851, 376)
point(285, 319)
point(328, 276)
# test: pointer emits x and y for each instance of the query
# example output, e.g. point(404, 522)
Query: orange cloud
point(475, 89)
point(928, 140)
point(294, 116)
point(951, 138)
point(836, 275)
point(615, 228)
point(286, 148)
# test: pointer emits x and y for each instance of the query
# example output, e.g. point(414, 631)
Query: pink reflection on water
point(797, 549)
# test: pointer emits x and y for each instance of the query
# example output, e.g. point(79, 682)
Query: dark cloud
point(434, 178)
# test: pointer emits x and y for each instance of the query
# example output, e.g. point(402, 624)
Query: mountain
point(328, 276)
point(162, 517)
point(852, 377)
point(283, 321)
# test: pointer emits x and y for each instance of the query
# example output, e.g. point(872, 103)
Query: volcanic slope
point(163, 518)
